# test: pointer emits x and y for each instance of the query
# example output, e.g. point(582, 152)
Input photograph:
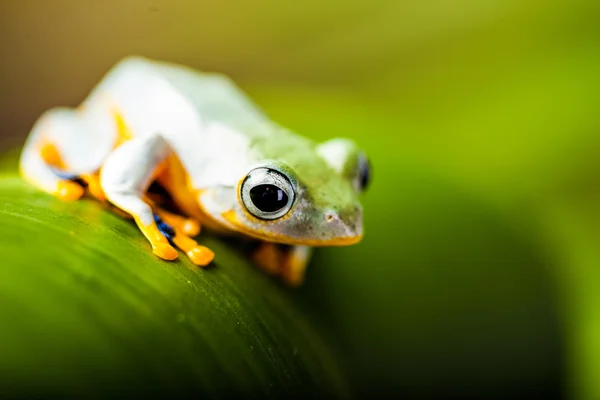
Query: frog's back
point(217, 98)
point(205, 117)
point(213, 96)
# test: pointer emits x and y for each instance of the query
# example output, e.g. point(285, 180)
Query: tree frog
point(223, 163)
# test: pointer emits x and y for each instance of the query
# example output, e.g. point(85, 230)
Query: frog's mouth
point(231, 217)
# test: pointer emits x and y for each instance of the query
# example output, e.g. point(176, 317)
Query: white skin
point(206, 134)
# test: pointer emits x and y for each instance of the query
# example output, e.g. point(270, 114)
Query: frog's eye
point(363, 178)
point(267, 193)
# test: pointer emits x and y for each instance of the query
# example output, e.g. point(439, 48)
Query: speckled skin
point(199, 136)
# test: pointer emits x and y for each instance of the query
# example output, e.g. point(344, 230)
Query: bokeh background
point(480, 270)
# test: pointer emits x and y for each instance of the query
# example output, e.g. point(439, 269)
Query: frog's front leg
point(199, 255)
point(187, 226)
point(125, 177)
point(287, 262)
point(295, 261)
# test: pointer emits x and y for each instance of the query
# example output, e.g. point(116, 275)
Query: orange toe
point(94, 186)
point(201, 256)
point(267, 256)
point(191, 227)
point(165, 251)
point(293, 279)
point(69, 190)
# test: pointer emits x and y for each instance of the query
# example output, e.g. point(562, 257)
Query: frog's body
point(199, 137)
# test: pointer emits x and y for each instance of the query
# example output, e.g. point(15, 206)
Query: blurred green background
point(480, 269)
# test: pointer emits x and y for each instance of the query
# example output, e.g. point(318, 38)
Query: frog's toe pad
point(69, 191)
point(201, 256)
point(165, 251)
point(191, 227)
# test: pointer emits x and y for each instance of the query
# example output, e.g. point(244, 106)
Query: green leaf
point(85, 306)
point(442, 290)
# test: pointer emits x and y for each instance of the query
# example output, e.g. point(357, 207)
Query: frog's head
point(309, 197)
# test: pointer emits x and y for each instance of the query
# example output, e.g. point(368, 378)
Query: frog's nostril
point(330, 216)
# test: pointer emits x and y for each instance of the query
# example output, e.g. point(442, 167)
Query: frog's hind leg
point(39, 162)
point(287, 262)
point(43, 160)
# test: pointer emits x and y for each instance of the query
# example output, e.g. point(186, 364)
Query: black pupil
point(268, 198)
point(365, 175)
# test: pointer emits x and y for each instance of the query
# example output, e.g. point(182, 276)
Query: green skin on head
point(326, 180)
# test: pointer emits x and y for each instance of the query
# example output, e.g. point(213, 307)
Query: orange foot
point(69, 191)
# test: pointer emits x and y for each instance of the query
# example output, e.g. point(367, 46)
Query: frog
point(216, 157)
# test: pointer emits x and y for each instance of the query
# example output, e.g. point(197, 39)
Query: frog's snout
point(344, 225)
